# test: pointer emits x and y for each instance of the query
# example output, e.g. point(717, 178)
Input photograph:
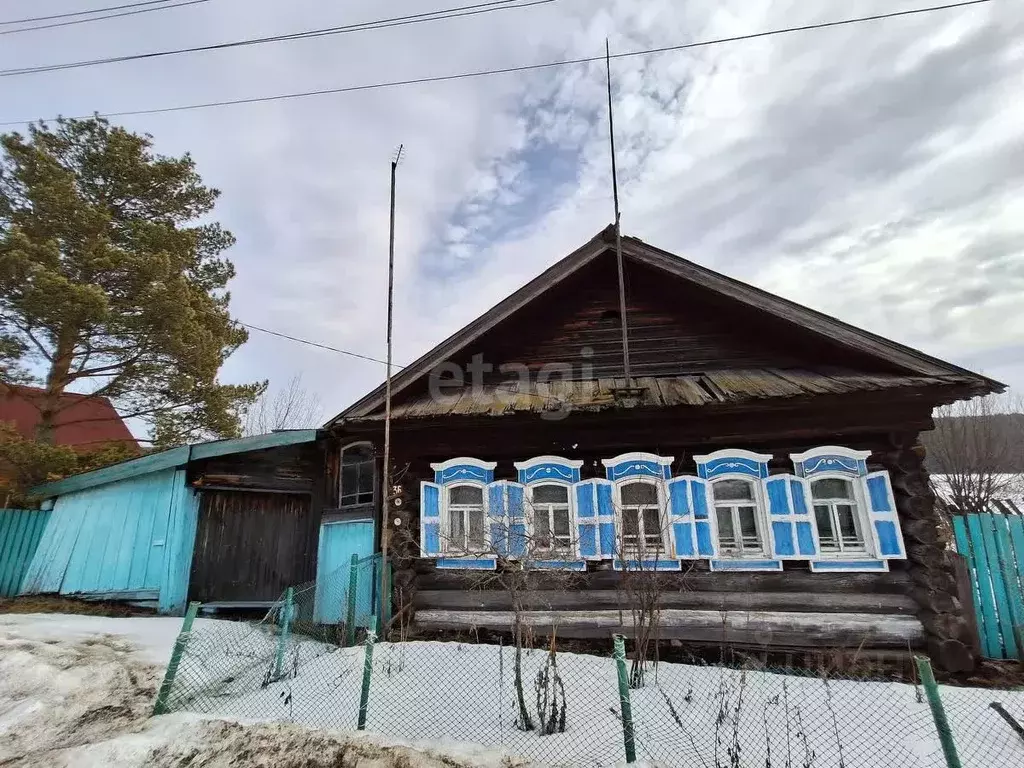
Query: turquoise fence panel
point(21, 530)
point(993, 545)
point(338, 542)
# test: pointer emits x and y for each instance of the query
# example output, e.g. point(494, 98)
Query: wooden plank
point(1017, 537)
point(743, 627)
point(1002, 601)
point(989, 620)
point(144, 465)
point(801, 602)
point(1008, 571)
point(254, 443)
point(965, 591)
point(967, 553)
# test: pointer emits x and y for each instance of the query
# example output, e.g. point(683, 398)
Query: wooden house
point(762, 458)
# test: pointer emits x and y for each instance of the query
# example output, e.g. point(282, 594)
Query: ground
point(77, 691)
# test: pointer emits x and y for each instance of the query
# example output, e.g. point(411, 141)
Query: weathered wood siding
point(291, 469)
point(250, 546)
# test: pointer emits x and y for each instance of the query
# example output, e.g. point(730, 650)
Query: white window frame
point(553, 554)
point(861, 514)
point(447, 545)
point(372, 503)
point(663, 519)
point(761, 522)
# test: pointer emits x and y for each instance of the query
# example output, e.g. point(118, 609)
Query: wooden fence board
point(979, 564)
point(20, 533)
point(999, 588)
point(1008, 570)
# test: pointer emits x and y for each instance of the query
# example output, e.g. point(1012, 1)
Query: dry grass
point(46, 604)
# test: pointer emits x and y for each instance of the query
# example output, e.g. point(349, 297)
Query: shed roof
point(171, 458)
point(914, 363)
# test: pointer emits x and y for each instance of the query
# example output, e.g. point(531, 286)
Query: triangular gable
point(859, 342)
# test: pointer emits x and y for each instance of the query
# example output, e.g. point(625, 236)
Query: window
point(837, 516)
point(357, 475)
point(641, 519)
point(465, 519)
point(739, 532)
point(552, 524)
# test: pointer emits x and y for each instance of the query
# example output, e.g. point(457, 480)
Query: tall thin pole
point(385, 533)
point(618, 229)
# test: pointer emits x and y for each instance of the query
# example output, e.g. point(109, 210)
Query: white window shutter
point(430, 519)
point(681, 517)
point(885, 522)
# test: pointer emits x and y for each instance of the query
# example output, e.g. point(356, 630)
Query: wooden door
point(252, 546)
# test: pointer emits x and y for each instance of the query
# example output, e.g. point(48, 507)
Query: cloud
point(867, 171)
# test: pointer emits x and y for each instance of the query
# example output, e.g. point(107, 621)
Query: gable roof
point(915, 363)
point(81, 420)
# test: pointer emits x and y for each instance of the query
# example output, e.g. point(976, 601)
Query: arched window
point(358, 477)
point(465, 511)
point(736, 513)
point(552, 521)
point(837, 515)
point(642, 532)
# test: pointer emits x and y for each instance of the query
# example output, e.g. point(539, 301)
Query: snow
point(77, 691)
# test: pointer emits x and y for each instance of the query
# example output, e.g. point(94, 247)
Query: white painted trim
point(479, 463)
point(727, 453)
point(664, 515)
point(574, 531)
point(830, 450)
point(536, 460)
point(443, 540)
point(622, 458)
point(863, 515)
point(760, 507)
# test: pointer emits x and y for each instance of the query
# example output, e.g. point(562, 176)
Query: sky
point(872, 171)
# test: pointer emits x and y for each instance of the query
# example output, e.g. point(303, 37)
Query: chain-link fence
point(562, 708)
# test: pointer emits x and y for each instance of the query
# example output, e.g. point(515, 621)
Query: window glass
point(748, 527)
point(631, 522)
point(562, 528)
point(550, 494)
point(476, 529)
point(639, 493)
point(734, 490)
point(832, 488)
point(466, 494)
point(357, 476)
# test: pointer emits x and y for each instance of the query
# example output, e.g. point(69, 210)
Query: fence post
point(160, 707)
point(286, 625)
point(364, 694)
point(931, 689)
point(350, 613)
point(628, 737)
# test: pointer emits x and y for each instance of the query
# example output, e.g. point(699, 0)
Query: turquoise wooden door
point(338, 542)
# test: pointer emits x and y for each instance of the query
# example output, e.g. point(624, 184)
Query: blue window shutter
point(885, 523)
point(681, 520)
point(791, 527)
point(706, 544)
point(497, 517)
point(806, 532)
point(430, 519)
point(605, 518)
point(516, 511)
point(587, 520)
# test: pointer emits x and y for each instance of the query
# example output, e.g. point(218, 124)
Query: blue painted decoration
point(20, 533)
point(587, 520)
point(882, 507)
point(542, 468)
point(468, 564)
point(430, 519)
point(849, 565)
point(681, 516)
point(732, 465)
point(739, 564)
point(462, 469)
point(638, 465)
point(660, 564)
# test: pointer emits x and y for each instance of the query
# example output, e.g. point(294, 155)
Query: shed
point(231, 523)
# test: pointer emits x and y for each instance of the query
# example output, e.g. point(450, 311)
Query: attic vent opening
point(611, 314)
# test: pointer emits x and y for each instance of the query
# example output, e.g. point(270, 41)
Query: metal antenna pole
point(618, 229)
point(385, 532)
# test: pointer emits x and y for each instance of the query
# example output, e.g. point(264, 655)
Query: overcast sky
point(874, 171)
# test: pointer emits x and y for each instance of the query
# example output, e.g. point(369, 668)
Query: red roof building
point(82, 421)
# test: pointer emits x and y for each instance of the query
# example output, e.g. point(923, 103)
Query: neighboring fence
point(20, 532)
point(564, 708)
point(994, 548)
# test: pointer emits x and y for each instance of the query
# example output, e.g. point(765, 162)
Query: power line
point(81, 13)
point(396, 21)
point(313, 343)
point(521, 68)
point(161, 7)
